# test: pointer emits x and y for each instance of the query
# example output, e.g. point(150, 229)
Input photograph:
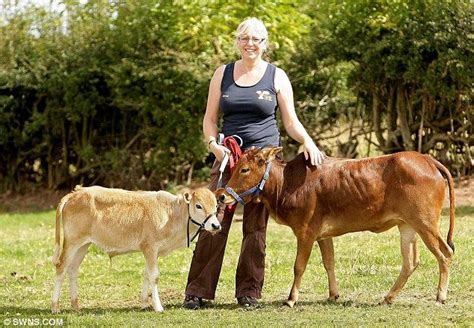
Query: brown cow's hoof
point(440, 301)
point(333, 298)
point(385, 301)
point(289, 303)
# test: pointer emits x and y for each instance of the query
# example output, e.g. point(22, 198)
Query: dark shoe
point(192, 302)
point(247, 301)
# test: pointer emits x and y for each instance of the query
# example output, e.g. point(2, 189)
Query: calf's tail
point(445, 172)
point(57, 238)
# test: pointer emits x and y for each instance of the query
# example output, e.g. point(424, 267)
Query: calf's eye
point(199, 207)
point(244, 170)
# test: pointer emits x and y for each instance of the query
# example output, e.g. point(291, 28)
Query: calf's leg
point(305, 247)
point(327, 253)
point(410, 260)
point(73, 271)
point(151, 256)
point(69, 249)
point(145, 288)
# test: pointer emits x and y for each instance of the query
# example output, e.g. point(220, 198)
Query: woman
point(248, 92)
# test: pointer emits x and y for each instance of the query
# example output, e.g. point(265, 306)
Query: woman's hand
point(218, 150)
point(312, 152)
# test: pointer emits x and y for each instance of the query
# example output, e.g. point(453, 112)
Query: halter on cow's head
point(202, 206)
point(249, 177)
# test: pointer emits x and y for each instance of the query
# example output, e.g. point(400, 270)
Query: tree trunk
point(391, 143)
point(402, 117)
point(420, 130)
point(376, 118)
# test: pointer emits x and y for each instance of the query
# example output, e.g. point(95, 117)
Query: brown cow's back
point(355, 195)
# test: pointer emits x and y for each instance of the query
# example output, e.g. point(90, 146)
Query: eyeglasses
point(246, 39)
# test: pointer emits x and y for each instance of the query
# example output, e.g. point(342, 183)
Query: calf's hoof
point(75, 305)
point(146, 307)
point(159, 309)
point(54, 308)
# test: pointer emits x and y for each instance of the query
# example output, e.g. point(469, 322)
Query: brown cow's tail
point(57, 238)
point(445, 172)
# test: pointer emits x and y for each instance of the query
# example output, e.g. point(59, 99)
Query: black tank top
point(250, 111)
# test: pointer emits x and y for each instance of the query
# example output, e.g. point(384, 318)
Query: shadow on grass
point(327, 303)
point(275, 305)
point(279, 304)
point(13, 311)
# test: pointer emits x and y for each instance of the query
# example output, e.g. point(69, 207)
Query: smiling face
point(251, 45)
point(251, 38)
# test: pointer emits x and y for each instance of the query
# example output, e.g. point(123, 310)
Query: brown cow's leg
point(443, 254)
point(303, 253)
point(410, 260)
point(327, 253)
point(73, 271)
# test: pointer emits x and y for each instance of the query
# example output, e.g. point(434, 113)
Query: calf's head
point(248, 175)
point(202, 208)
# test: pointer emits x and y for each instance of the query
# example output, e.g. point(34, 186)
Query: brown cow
point(121, 221)
point(345, 195)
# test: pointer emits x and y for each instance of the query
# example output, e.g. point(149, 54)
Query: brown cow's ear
point(270, 153)
point(187, 197)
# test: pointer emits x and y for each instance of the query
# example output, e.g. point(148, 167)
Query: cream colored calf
point(119, 222)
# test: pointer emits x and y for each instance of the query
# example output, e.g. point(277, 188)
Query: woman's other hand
point(312, 152)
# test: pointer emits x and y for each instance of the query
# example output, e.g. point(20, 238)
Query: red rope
point(235, 152)
point(234, 156)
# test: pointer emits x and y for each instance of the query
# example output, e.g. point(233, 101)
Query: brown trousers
point(209, 252)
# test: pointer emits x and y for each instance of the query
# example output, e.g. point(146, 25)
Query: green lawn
point(366, 266)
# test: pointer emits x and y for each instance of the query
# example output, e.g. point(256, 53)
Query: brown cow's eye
point(199, 207)
point(244, 170)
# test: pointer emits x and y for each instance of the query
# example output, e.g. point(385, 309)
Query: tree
point(412, 71)
point(113, 93)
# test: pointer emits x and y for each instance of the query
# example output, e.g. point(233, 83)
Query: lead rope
point(233, 145)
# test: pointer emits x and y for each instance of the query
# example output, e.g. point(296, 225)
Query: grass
point(366, 266)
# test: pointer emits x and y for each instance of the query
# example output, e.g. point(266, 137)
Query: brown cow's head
point(248, 174)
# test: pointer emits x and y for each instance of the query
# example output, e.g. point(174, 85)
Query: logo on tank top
point(264, 95)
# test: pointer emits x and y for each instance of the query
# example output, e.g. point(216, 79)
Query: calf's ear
point(187, 197)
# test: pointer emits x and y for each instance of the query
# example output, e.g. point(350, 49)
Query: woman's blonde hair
point(255, 26)
point(252, 24)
